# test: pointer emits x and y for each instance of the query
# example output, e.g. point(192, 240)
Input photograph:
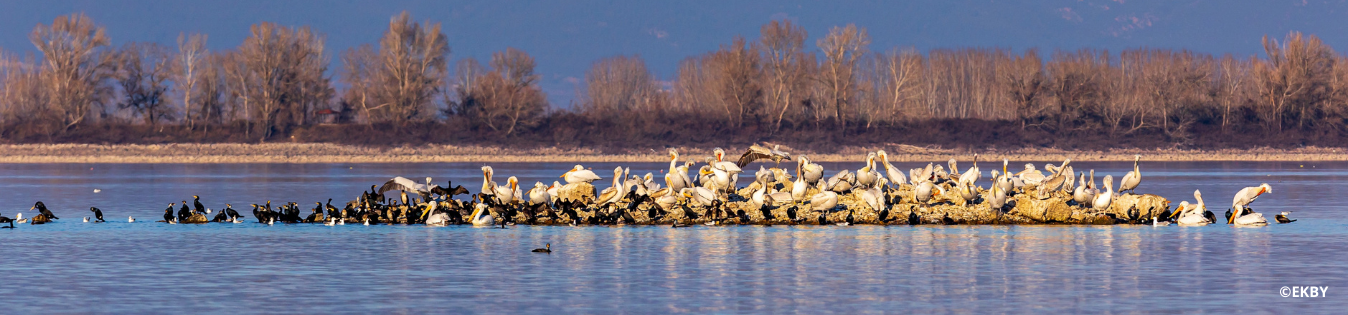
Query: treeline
point(276, 86)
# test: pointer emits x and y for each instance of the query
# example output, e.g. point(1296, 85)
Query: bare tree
point(280, 75)
point(188, 65)
point(503, 99)
point(142, 73)
point(75, 66)
point(412, 67)
point(1023, 78)
point(1233, 81)
point(842, 47)
point(618, 85)
point(22, 93)
point(783, 45)
point(1294, 77)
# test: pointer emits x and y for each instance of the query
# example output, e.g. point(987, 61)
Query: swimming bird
point(1282, 217)
point(1192, 215)
point(130, 219)
point(98, 214)
point(1247, 195)
point(1154, 222)
point(86, 219)
point(757, 152)
point(481, 217)
point(42, 208)
point(4, 219)
point(547, 248)
point(1249, 218)
point(1132, 178)
point(579, 174)
point(18, 218)
point(1105, 198)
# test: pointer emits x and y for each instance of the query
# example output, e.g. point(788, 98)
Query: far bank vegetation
point(404, 88)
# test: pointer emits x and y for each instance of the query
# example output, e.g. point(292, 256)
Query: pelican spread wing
point(758, 152)
point(403, 184)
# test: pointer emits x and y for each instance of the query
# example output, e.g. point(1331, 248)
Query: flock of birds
point(878, 183)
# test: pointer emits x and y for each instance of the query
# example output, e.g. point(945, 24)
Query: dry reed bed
point(334, 153)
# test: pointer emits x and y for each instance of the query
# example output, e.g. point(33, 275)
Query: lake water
point(147, 267)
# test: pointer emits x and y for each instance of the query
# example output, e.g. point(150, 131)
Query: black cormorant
point(547, 248)
point(98, 214)
point(196, 203)
point(41, 207)
point(168, 214)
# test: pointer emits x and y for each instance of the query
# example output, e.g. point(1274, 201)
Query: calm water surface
point(146, 267)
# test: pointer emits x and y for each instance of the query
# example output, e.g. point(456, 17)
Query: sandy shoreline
point(333, 153)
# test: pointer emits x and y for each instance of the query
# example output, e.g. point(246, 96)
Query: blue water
point(146, 267)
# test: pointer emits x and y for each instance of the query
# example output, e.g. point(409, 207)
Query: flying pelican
point(757, 152)
point(1130, 180)
point(579, 174)
point(1105, 198)
point(824, 200)
point(480, 216)
point(866, 175)
point(404, 184)
point(1247, 195)
point(892, 173)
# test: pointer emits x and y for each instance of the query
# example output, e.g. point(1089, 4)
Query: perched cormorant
point(229, 211)
point(98, 214)
point(184, 213)
point(41, 207)
point(196, 204)
point(546, 249)
point(168, 214)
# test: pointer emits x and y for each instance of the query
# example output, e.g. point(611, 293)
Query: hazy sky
point(565, 37)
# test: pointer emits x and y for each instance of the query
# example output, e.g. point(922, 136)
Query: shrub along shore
point(336, 153)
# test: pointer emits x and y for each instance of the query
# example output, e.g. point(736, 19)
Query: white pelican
point(1105, 198)
point(812, 172)
point(579, 174)
point(925, 191)
point(510, 193)
point(1081, 194)
point(1131, 179)
point(1247, 195)
point(892, 173)
point(972, 174)
point(824, 200)
point(480, 217)
point(1005, 182)
point(1249, 219)
point(721, 178)
point(552, 190)
point(539, 194)
point(998, 197)
point(330, 222)
point(757, 198)
point(404, 184)
point(676, 179)
point(866, 175)
point(799, 187)
point(700, 196)
point(875, 197)
point(967, 191)
point(488, 186)
point(436, 218)
point(614, 193)
point(1192, 215)
point(1030, 175)
point(757, 152)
